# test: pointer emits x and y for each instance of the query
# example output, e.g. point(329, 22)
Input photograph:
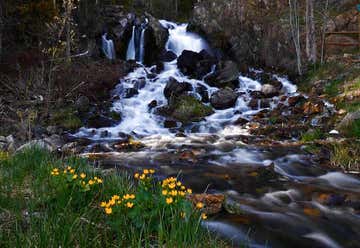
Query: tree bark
point(1, 28)
point(295, 31)
point(310, 32)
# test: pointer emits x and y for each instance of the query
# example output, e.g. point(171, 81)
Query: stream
point(277, 195)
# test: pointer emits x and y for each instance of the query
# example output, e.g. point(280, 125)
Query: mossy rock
point(189, 109)
point(66, 118)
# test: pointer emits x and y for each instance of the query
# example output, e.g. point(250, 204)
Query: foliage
point(47, 202)
point(312, 135)
point(346, 156)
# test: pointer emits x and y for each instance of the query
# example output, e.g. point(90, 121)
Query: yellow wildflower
point(169, 200)
point(172, 185)
point(182, 193)
point(108, 210)
point(112, 202)
point(173, 193)
point(82, 175)
point(199, 205)
point(91, 182)
point(132, 196)
point(72, 171)
point(103, 204)
point(146, 171)
point(69, 168)
point(100, 181)
point(183, 187)
point(178, 184)
point(65, 171)
point(116, 197)
point(129, 204)
point(152, 171)
point(119, 202)
point(75, 176)
point(142, 177)
point(203, 216)
point(136, 175)
point(189, 191)
point(164, 192)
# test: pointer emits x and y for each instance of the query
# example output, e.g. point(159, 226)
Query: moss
point(66, 118)
point(188, 109)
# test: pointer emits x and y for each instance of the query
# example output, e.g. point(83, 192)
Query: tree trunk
point(310, 32)
point(295, 31)
point(323, 32)
point(68, 29)
point(1, 28)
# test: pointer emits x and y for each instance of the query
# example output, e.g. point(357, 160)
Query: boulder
point(269, 90)
point(349, 121)
point(194, 64)
point(99, 121)
point(152, 104)
point(203, 92)
point(82, 104)
point(186, 109)
point(167, 56)
point(226, 74)
point(224, 98)
point(175, 88)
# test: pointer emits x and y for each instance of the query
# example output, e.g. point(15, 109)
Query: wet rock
point(226, 75)
point(224, 99)
point(174, 88)
point(72, 148)
point(128, 144)
point(213, 203)
point(43, 144)
point(167, 56)
point(241, 121)
point(257, 94)
point(311, 108)
point(82, 104)
point(195, 64)
point(203, 92)
point(101, 148)
point(188, 109)
point(140, 83)
point(152, 104)
point(99, 121)
point(254, 104)
point(293, 100)
point(269, 90)
point(130, 92)
point(348, 120)
point(170, 124)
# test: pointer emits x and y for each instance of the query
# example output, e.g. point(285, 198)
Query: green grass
point(38, 209)
point(346, 156)
point(312, 135)
point(188, 109)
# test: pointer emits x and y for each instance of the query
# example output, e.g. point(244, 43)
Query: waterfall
point(142, 45)
point(136, 47)
point(130, 55)
point(108, 47)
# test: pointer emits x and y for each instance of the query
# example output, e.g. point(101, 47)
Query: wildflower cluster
point(173, 190)
point(71, 176)
point(126, 201)
point(145, 175)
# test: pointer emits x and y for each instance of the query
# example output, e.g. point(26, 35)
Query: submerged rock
point(224, 99)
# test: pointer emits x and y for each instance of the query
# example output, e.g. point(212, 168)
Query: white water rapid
point(138, 119)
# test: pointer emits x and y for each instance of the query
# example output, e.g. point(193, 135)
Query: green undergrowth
point(312, 135)
point(346, 156)
point(50, 202)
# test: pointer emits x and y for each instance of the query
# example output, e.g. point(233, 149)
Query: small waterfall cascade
point(136, 46)
point(108, 47)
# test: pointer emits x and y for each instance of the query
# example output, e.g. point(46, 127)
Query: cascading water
point(136, 46)
point(130, 55)
point(285, 202)
point(108, 47)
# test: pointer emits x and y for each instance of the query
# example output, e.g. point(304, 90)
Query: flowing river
point(277, 195)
